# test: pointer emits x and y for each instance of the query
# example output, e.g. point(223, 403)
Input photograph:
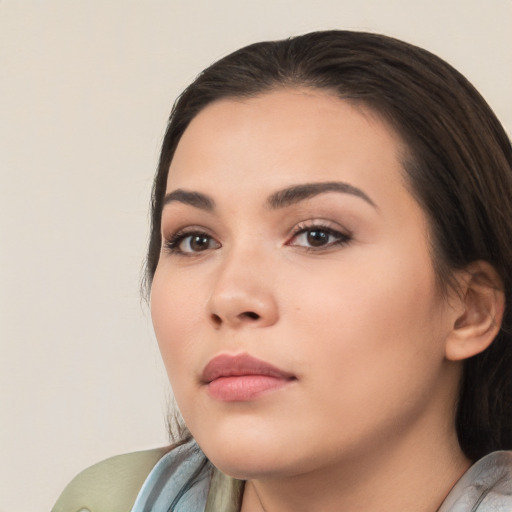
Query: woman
point(329, 268)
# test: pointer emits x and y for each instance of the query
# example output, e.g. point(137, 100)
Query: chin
point(249, 466)
point(248, 456)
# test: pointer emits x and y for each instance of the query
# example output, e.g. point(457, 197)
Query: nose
point(242, 295)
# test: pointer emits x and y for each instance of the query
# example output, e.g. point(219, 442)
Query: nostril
point(250, 314)
point(216, 319)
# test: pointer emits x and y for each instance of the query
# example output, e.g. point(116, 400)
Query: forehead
point(282, 137)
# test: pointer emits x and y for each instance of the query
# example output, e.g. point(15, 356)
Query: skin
point(368, 421)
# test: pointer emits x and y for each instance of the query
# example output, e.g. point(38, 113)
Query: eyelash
point(173, 243)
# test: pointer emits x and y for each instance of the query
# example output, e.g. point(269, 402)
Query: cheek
point(173, 312)
point(370, 347)
point(370, 319)
point(365, 291)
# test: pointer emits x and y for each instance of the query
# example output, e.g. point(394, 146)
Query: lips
point(242, 378)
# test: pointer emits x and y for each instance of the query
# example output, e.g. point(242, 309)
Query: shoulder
point(111, 485)
point(485, 487)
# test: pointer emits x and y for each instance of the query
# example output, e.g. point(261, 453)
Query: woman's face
point(289, 236)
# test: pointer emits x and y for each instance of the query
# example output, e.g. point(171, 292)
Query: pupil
point(317, 238)
point(199, 243)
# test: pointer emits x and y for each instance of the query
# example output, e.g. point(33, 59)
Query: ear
point(479, 311)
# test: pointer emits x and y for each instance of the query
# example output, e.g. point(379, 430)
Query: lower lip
point(243, 388)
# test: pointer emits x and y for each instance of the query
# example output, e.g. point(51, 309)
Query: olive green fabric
point(111, 485)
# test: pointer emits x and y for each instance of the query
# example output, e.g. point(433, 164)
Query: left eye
point(319, 237)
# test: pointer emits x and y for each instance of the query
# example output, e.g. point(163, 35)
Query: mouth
point(242, 378)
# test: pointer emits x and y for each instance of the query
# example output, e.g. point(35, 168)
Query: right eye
point(191, 242)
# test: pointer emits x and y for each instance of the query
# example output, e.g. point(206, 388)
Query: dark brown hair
point(459, 168)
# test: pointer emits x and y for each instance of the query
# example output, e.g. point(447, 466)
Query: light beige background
point(85, 90)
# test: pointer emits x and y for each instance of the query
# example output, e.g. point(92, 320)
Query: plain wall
point(85, 90)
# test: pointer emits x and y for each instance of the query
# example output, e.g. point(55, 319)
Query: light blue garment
point(180, 482)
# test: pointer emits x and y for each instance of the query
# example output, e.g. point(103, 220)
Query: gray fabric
point(485, 487)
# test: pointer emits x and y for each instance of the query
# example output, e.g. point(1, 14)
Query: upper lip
point(226, 365)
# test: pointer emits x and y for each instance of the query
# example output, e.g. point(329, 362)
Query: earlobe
point(480, 312)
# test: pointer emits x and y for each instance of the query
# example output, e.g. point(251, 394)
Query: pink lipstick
point(242, 378)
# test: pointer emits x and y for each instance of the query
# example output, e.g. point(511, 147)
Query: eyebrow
point(297, 193)
point(279, 199)
point(196, 199)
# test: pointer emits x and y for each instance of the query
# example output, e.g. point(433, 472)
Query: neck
point(411, 476)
